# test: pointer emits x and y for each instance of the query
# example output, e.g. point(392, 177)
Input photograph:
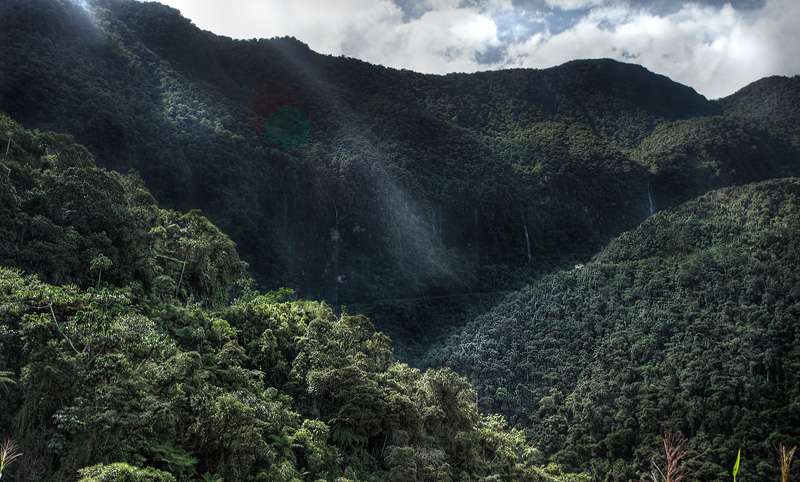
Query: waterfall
point(527, 238)
point(476, 230)
point(650, 199)
point(436, 221)
point(335, 236)
point(440, 223)
point(336, 213)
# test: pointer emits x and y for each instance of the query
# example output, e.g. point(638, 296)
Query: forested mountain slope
point(408, 185)
point(70, 222)
point(124, 360)
point(687, 324)
point(354, 183)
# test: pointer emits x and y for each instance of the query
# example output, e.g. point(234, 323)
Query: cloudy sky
point(715, 46)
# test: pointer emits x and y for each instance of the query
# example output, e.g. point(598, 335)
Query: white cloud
point(574, 4)
point(322, 24)
point(440, 41)
point(450, 38)
point(765, 44)
point(715, 50)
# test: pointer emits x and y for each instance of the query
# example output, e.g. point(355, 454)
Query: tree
point(122, 472)
point(99, 263)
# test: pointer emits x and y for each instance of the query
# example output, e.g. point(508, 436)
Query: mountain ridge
point(134, 364)
point(687, 324)
point(429, 201)
point(382, 202)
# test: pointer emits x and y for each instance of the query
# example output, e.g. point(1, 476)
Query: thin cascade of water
point(436, 221)
point(476, 230)
point(650, 199)
point(335, 237)
point(441, 231)
point(527, 238)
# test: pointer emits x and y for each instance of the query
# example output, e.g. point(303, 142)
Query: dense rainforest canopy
point(159, 341)
point(129, 360)
point(687, 324)
point(409, 185)
point(123, 359)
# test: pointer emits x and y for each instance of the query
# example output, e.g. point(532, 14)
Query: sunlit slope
point(408, 185)
point(70, 222)
point(122, 356)
point(687, 324)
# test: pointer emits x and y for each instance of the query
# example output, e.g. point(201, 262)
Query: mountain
point(132, 364)
point(132, 332)
point(70, 222)
point(687, 324)
point(407, 186)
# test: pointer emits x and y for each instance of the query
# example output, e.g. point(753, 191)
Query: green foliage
point(121, 472)
point(63, 218)
point(288, 128)
point(415, 325)
point(684, 324)
point(114, 315)
point(207, 477)
point(174, 458)
point(5, 379)
point(377, 198)
point(101, 381)
point(152, 368)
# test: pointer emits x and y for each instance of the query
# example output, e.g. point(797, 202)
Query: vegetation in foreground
point(687, 324)
point(381, 206)
point(410, 185)
point(122, 358)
